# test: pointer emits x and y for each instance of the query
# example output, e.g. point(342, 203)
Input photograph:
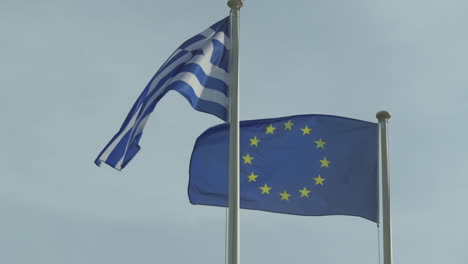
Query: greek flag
point(198, 70)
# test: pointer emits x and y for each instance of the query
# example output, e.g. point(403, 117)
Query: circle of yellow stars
point(284, 195)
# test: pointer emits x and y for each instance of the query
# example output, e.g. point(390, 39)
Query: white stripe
point(137, 131)
point(200, 91)
point(209, 33)
point(141, 125)
point(166, 71)
point(207, 46)
point(204, 62)
point(105, 155)
point(220, 36)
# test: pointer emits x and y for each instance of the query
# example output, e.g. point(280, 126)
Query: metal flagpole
point(383, 117)
point(234, 188)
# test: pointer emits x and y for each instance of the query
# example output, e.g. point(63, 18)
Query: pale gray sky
point(71, 70)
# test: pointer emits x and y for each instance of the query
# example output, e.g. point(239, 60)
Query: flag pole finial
point(383, 115)
point(235, 4)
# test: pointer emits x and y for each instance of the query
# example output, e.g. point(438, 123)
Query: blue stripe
point(132, 149)
point(141, 99)
point(191, 41)
point(187, 91)
point(201, 105)
point(164, 79)
point(197, 52)
point(174, 71)
point(220, 55)
point(132, 112)
point(210, 107)
point(205, 80)
point(222, 26)
point(118, 151)
point(172, 60)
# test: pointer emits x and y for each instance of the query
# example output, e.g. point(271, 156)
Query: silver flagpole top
point(383, 115)
point(235, 4)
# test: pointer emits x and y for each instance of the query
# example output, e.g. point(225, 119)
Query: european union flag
point(302, 165)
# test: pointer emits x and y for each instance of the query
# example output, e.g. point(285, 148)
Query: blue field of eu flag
point(302, 165)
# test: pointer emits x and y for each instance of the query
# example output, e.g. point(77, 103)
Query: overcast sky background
point(71, 70)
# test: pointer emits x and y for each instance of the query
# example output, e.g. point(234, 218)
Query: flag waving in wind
point(301, 165)
point(198, 70)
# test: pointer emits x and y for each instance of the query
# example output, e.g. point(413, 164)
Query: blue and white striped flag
point(198, 70)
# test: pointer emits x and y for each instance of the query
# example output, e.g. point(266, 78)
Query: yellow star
point(288, 125)
point(304, 192)
point(254, 141)
point(265, 189)
point(270, 129)
point(252, 177)
point(319, 180)
point(320, 143)
point(325, 162)
point(306, 130)
point(248, 159)
point(284, 195)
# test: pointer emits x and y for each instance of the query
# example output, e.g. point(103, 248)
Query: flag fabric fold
point(302, 165)
point(198, 70)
